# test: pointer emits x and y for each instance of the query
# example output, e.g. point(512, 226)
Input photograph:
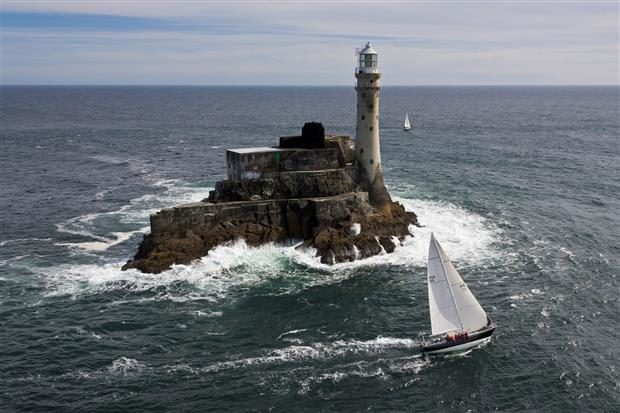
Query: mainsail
point(406, 124)
point(452, 305)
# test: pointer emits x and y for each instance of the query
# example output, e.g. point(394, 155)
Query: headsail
point(452, 305)
point(406, 124)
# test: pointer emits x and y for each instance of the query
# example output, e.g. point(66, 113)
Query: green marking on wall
point(278, 156)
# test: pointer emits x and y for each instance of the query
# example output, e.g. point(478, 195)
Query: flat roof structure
point(264, 149)
point(256, 150)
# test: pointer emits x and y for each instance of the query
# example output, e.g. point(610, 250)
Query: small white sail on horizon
point(452, 306)
point(406, 123)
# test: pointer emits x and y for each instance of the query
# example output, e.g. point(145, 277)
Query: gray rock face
point(299, 184)
point(318, 207)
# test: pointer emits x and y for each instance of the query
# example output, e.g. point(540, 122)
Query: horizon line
point(305, 85)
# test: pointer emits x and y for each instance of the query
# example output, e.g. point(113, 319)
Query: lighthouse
point(367, 147)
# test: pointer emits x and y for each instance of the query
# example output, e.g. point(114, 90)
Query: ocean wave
point(103, 243)
point(121, 367)
point(381, 358)
point(381, 369)
point(304, 377)
point(124, 366)
point(23, 240)
point(135, 213)
point(466, 237)
point(227, 267)
point(319, 351)
point(8, 261)
point(234, 267)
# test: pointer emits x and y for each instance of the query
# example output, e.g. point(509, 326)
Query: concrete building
point(367, 145)
point(262, 163)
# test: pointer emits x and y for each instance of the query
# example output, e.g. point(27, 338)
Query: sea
point(521, 186)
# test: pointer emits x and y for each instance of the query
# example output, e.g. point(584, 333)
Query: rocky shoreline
point(326, 209)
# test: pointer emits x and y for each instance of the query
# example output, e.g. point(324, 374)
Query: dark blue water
point(519, 184)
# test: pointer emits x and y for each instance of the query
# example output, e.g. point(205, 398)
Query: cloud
point(306, 43)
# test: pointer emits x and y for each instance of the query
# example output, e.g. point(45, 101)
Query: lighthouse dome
point(368, 49)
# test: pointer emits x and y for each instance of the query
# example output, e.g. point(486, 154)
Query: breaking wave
point(236, 267)
point(396, 356)
point(133, 218)
point(467, 238)
point(319, 351)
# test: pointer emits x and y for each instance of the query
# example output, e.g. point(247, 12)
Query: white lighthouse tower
point(367, 148)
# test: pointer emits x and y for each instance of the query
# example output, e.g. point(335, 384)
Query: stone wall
point(282, 185)
point(186, 232)
point(248, 164)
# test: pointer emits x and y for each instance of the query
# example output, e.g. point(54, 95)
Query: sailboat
point(458, 322)
point(406, 124)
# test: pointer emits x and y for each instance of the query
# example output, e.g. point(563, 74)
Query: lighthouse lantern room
point(367, 60)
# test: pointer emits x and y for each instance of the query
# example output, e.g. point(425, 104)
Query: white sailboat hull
point(474, 339)
point(460, 347)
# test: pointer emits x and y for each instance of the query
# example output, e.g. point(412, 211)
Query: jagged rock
point(320, 207)
point(388, 244)
point(287, 185)
point(338, 244)
point(324, 223)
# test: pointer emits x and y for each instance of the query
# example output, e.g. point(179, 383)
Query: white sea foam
point(23, 240)
point(381, 369)
point(358, 371)
point(319, 351)
point(136, 212)
point(467, 352)
point(228, 267)
point(104, 243)
point(466, 237)
point(291, 332)
point(124, 366)
point(10, 260)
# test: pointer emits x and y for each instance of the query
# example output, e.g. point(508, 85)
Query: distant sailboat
point(458, 322)
point(406, 124)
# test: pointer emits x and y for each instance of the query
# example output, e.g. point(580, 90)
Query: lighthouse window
point(371, 107)
point(361, 151)
point(372, 161)
point(371, 128)
point(363, 117)
point(363, 95)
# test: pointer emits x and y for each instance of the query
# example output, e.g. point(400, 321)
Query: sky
point(272, 42)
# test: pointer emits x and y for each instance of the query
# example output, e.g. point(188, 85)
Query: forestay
point(452, 306)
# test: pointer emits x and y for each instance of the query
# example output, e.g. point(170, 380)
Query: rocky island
point(325, 191)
